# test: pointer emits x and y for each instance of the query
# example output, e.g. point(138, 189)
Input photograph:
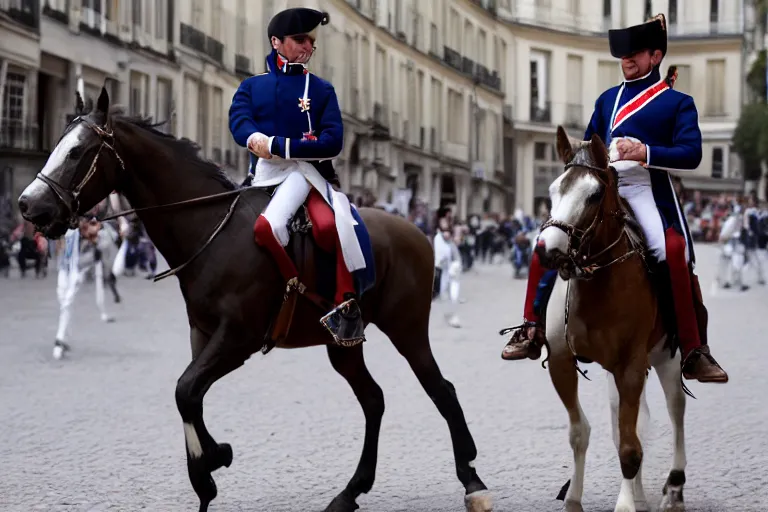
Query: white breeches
point(66, 289)
point(635, 187)
point(286, 201)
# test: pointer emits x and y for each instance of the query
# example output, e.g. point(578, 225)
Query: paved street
point(99, 431)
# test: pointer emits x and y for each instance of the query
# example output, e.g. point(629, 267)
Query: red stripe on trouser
point(265, 237)
point(687, 327)
point(344, 282)
point(535, 273)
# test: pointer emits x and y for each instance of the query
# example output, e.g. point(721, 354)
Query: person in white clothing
point(448, 261)
point(83, 250)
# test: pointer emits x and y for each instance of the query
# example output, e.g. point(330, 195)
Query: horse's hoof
point(479, 501)
point(672, 502)
point(573, 506)
point(224, 455)
point(342, 503)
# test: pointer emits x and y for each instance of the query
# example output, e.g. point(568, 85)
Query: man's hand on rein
point(629, 150)
point(258, 144)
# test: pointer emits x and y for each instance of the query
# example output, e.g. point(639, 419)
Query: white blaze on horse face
point(568, 208)
point(57, 159)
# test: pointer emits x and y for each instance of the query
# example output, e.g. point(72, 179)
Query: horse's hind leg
point(641, 503)
point(669, 371)
point(418, 353)
point(216, 358)
point(562, 371)
point(630, 382)
point(350, 364)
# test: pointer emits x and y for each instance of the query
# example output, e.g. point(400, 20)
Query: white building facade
point(453, 102)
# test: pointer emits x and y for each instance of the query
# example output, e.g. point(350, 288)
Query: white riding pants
point(635, 187)
point(66, 289)
point(286, 201)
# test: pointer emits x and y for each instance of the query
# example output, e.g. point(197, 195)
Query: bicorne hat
point(651, 35)
point(300, 20)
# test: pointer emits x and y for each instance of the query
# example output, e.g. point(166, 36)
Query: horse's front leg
point(224, 352)
point(630, 382)
point(641, 503)
point(668, 370)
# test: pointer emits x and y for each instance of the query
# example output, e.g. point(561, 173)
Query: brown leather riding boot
point(526, 342)
point(699, 364)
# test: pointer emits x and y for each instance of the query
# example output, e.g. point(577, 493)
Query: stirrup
point(345, 323)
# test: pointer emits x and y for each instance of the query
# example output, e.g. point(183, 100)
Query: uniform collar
point(644, 81)
point(278, 64)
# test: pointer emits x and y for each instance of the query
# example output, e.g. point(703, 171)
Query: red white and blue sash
point(636, 104)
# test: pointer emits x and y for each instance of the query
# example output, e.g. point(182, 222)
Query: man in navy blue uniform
point(289, 119)
point(649, 129)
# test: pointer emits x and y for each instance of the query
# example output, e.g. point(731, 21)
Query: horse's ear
point(79, 105)
point(564, 147)
point(102, 104)
point(599, 153)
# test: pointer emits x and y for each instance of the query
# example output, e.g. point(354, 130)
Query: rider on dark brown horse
point(650, 129)
point(289, 119)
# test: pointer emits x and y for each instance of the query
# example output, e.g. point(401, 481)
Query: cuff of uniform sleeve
point(281, 146)
point(647, 154)
point(270, 141)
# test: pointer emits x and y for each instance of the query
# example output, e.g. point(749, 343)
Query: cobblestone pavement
point(99, 431)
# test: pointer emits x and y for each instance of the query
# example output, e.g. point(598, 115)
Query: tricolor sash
point(635, 104)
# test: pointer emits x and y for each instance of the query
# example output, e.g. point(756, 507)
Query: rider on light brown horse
point(650, 129)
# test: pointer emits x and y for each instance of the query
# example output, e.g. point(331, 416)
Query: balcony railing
point(574, 116)
point(243, 65)
point(192, 37)
point(15, 136)
point(54, 13)
point(25, 12)
point(197, 40)
point(468, 66)
point(452, 58)
point(541, 114)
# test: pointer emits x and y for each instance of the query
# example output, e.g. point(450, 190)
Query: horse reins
point(71, 199)
point(579, 254)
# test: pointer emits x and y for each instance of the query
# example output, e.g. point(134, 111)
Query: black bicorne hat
point(300, 20)
point(651, 35)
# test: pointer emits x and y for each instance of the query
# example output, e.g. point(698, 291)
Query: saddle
point(312, 248)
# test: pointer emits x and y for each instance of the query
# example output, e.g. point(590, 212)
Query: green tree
point(750, 139)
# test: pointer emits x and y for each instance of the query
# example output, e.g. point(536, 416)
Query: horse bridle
point(70, 198)
point(579, 254)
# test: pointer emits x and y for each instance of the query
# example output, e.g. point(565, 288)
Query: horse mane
point(184, 150)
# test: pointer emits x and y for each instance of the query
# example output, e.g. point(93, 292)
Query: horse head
point(583, 197)
point(81, 171)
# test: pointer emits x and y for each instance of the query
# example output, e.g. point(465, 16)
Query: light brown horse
point(604, 309)
point(233, 289)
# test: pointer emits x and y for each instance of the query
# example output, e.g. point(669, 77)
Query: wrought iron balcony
point(452, 58)
point(243, 65)
point(192, 37)
point(15, 136)
point(24, 12)
point(574, 115)
point(541, 114)
point(54, 13)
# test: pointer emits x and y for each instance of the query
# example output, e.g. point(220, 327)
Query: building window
point(715, 87)
point(607, 9)
point(215, 31)
point(672, 11)
point(198, 8)
point(714, 11)
point(218, 124)
point(683, 82)
point(164, 106)
point(137, 103)
point(456, 108)
point(648, 9)
point(137, 12)
point(160, 23)
point(13, 99)
point(717, 162)
point(241, 28)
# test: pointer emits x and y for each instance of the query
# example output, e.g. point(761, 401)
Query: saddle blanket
point(353, 235)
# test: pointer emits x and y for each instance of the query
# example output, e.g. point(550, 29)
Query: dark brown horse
point(604, 309)
point(233, 288)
